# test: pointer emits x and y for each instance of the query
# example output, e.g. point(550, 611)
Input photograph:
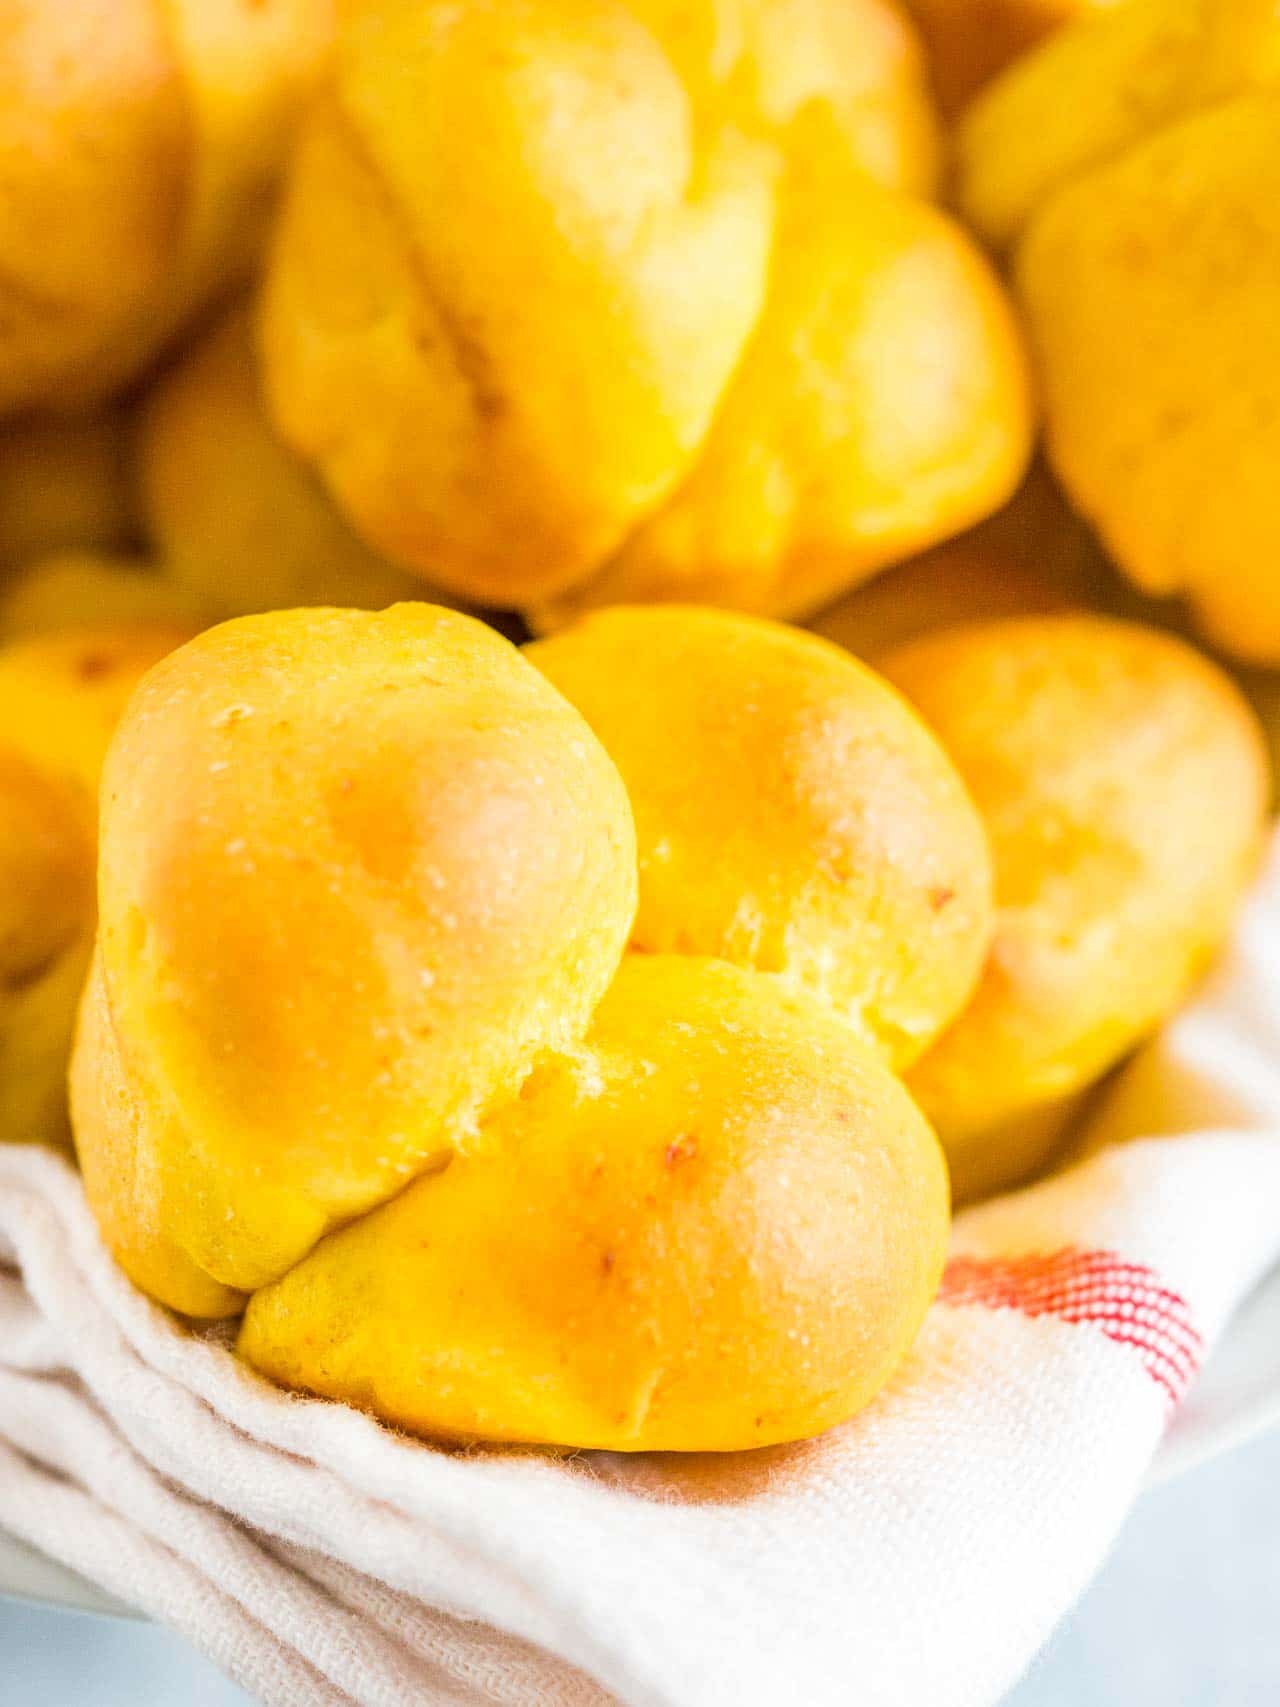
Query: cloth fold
point(920, 1554)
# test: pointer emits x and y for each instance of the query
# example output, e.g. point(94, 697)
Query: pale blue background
point(1186, 1614)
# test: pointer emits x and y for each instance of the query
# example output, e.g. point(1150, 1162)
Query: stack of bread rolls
point(566, 302)
point(386, 1007)
point(519, 1043)
point(582, 1044)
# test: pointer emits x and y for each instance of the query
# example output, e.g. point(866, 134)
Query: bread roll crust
point(239, 522)
point(1132, 169)
point(794, 816)
point(59, 700)
point(1123, 782)
point(584, 301)
point(715, 1225)
point(356, 870)
point(84, 589)
point(140, 141)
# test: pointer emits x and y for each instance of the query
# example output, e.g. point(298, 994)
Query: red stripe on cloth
point(1124, 1300)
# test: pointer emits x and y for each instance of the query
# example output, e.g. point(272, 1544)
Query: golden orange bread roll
point(716, 1224)
point(62, 695)
point(46, 866)
point(1093, 91)
point(140, 141)
point(793, 814)
point(1123, 783)
point(356, 871)
point(666, 345)
point(46, 909)
point(839, 83)
point(1144, 213)
point(836, 450)
point(78, 589)
point(238, 521)
point(1033, 557)
point(59, 699)
point(65, 485)
point(970, 41)
point(1168, 434)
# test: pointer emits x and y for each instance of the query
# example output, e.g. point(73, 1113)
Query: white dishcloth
point(916, 1557)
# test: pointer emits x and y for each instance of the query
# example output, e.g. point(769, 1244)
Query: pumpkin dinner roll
point(59, 700)
point(1123, 783)
point(589, 301)
point(1132, 166)
point(716, 1224)
point(356, 871)
point(239, 522)
point(46, 930)
point(1097, 89)
point(793, 814)
point(140, 141)
point(77, 589)
point(839, 447)
point(62, 695)
point(839, 83)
